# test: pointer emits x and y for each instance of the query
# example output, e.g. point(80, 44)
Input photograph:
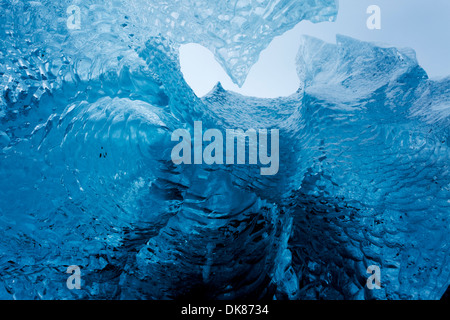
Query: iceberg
point(86, 118)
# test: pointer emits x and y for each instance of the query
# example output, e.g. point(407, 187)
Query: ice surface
point(236, 31)
point(86, 118)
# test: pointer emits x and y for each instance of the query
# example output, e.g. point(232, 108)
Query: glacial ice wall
point(86, 118)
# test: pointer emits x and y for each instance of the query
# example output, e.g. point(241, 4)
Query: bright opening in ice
point(274, 75)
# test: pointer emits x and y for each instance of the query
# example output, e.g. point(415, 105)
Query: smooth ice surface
point(86, 118)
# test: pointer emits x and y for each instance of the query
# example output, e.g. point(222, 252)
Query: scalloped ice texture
point(365, 160)
point(85, 127)
point(235, 31)
point(378, 153)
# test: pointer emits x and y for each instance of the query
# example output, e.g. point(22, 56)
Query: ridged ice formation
point(86, 177)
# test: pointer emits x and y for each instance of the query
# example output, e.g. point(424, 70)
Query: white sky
point(423, 25)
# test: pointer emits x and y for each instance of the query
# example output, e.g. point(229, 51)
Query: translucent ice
point(86, 118)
